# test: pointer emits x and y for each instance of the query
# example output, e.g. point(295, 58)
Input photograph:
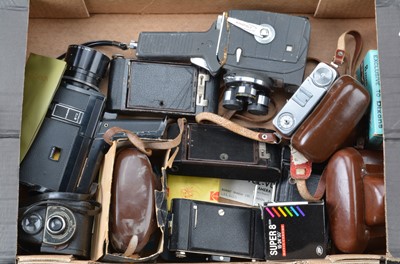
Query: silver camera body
point(305, 99)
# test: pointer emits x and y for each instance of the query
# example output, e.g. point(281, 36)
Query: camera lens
point(251, 90)
point(230, 101)
point(32, 224)
point(55, 224)
point(259, 106)
point(85, 65)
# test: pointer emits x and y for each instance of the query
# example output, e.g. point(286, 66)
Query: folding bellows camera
point(160, 88)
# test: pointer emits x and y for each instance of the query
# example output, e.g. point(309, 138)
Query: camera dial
point(32, 224)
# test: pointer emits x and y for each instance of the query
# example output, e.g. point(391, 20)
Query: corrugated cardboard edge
point(198, 7)
point(388, 24)
point(100, 234)
point(48, 259)
point(345, 9)
point(13, 39)
point(58, 9)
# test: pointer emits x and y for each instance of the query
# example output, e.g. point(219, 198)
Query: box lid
point(13, 15)
point(388, 23)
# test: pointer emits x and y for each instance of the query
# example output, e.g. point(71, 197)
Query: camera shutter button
point(322, 77)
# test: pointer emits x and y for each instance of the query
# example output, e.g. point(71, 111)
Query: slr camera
point(59, 223)
point(58, 154)
point(160, 88)
point(256, 51)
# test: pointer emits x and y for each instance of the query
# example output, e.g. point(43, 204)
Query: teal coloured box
point(368, 75)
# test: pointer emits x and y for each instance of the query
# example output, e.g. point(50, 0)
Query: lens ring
point(56, 224)
point(32, 224)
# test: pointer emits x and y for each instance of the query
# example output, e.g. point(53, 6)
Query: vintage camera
point(257, 51)
point(213, 151)
point(144, 128)
point(58, 223)
point(216, 230)
point(57, 156)
point(305, 99)
point(160, 88)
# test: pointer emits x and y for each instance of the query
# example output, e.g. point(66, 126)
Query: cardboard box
point(54, 24)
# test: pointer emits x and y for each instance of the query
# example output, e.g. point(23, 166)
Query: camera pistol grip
point(181, 46)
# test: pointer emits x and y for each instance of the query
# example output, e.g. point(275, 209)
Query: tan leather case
point(355, 197)
point(132, 216)
point(333, 120)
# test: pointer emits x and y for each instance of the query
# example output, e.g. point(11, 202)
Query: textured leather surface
point(333, 120)
point(132, 201)
point(354, 198)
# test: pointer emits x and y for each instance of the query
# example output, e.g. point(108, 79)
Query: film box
point(246, 192)
point(295, 230)
point(194, 188)
point(368, 75)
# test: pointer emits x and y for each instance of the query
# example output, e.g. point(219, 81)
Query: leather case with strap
point(355, 196)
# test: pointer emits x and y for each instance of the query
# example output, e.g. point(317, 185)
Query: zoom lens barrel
point(85, 65)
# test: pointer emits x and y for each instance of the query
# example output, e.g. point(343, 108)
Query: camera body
point(253, 64)
point(303, 101)
point(58, 154)
point(57, 226)
point(213, 151)
point(160, 88)
point(216, 230)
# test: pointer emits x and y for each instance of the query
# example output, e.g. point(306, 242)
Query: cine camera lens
point(85, 65)
point(259, 106)
point(32, 224)
point(56, 224)
point(230, 101)
point(247, 91)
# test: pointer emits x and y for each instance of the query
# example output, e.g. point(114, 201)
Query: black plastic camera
point(160, 88)
point(57, 156)
point(59, 223)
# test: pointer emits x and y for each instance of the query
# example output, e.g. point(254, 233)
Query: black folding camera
point(160, 88)
point(213, 151)
point(216, 230)
point(257, 51)
point(57, 156)
point(59, 223)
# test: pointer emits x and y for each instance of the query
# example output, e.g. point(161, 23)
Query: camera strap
point(347, 65)
point(146, 147)
point(341, 54)
point(267, 137)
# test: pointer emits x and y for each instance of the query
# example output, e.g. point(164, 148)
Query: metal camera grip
point(180, 46)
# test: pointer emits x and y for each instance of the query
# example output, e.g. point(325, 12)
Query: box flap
point(388, 21)
point(58, 9)
point(197, 7)
point(345, 9)
point(13, 37)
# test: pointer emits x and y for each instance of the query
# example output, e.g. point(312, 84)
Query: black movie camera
point(57, 156)
point(160, 88)
point(257, 52)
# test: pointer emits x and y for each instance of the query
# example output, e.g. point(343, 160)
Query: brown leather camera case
point(332, 121)
point(132, 216)
point(355, 197)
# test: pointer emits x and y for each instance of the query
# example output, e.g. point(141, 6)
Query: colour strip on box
point(285, 211)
